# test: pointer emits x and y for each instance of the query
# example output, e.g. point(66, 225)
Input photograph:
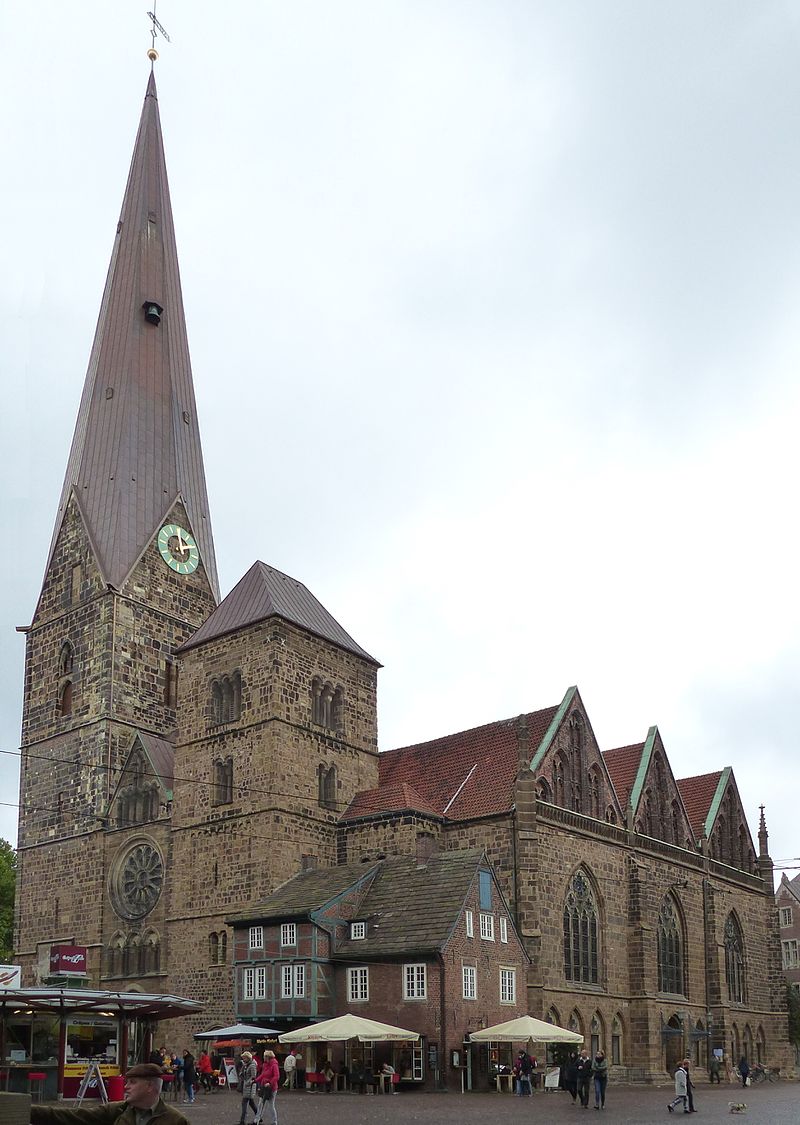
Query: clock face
point(178, 549)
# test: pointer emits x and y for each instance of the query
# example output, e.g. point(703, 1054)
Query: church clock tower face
point(178, 549)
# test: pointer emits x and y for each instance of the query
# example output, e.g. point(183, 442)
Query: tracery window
point(66, 665)
point(670, 949)
point(616, 1041)
point(734, 960)
point(543, 790)
point(580, 932)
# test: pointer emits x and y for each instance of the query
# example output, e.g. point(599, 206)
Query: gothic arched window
point(596, 1029)
point(543, 790)
point(595, 792)
point(580, 932)
point(222, 793)
point(576, 754)
point(670, 949)
point(734, 960)
point(562, 785)
point(616, 1040)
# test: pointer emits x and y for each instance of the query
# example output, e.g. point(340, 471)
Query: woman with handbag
point(268, 1079)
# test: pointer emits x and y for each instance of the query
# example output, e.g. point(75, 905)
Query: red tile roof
point(391, 798)
point(697, 794)
point(465, 775)
point(622, 764)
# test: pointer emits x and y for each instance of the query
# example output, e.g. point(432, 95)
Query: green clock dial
point(178, 549)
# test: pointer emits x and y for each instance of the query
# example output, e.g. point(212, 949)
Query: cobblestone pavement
point(771, 1104)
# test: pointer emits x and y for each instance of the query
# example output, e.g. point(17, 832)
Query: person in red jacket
point(267, 1080)
point(205, 1070)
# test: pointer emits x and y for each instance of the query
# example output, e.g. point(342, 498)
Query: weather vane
point(157, 28)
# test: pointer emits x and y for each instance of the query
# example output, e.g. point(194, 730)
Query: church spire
point(136, 447)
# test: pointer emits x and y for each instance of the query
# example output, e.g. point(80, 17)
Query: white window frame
point(487, 927)
point(417, 1064)
point(255, 938)
point(508, 985)
point(261, 983)
point(248, 984)
point(358, 984)
point(504, 930)
point(469, 982)
point(358, 931)
point(293, 981)
point(415, 982)
point(288, 933)
point(469, 923)
point(785, 916)
point(791, 953)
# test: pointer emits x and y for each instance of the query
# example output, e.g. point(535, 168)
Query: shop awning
point(348, 1026)
point(236, 1031)
point(14, 1001)
point(525, 1028)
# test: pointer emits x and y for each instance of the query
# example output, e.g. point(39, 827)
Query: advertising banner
point(67, 961)
point(10, 976)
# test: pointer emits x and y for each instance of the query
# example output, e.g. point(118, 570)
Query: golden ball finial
point(152, 54)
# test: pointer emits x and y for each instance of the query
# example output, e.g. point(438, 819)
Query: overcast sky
point(493, 316)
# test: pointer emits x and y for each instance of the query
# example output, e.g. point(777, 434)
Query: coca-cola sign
point(67, 961)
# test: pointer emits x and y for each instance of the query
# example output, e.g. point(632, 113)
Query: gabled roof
point(389, 798)
point(160, 755)
point(790, 886)
point(264, 592)
point(136, 447)
point(411, 907)
point(622, 764)
point(698, 795)
point(305, 893)
point(465, 775)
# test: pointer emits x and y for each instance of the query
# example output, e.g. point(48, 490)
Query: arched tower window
point(213, 948)
point(316, 700)
point(580, 932)
point(595, 790)
point(670, 949)
point(327, 786)
point(562, 784)
point(216, 702)
point(337, 710)
point(734, 960)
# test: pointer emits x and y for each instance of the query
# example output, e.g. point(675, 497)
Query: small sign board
point(230, 1071)
point(10, 976)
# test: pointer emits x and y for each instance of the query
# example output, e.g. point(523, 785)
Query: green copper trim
point(644, 764)
point(716, 801)
point(558, 719)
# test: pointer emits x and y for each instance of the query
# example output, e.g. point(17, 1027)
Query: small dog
point(737, 1107)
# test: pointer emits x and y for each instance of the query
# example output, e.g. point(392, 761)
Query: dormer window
point(358, 931)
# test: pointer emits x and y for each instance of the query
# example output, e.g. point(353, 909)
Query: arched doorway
point(673, 1042)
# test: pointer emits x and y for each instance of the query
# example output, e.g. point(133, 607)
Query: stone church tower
point(169, 772)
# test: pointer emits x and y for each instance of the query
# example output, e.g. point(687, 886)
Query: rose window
point(139, 880)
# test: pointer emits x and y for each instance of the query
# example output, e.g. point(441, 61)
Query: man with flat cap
point(143, 1104)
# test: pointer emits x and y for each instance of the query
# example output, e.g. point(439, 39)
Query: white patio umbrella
point(237, 1031)
point(348, 1026)
point(524, 1028)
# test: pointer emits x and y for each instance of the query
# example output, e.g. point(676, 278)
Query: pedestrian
point(289, 1068)
point(571, 1076)
point(247, 1085)
point(583, 1067)
point(177, 1075)
point(189, 1077)
point(300, 1070)
point(600, 1075)
point(143, 1102)
point(714, 1068)
point(744, 1069)
point(522, 1075)
point(681, 1095)
point(268, 1080)
point(726, 1062)
point(687, 1066)
point(205, 1070)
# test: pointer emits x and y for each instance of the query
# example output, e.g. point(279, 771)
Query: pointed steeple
point(136, 447)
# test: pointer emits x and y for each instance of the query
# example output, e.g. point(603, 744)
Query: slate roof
point(162, 754)
point(391, 798)
point(697, 794)
point(137, 444)
point(304, 893)
point(465, 775)
point(622, 764)
point(411, 908)
point(264, 592)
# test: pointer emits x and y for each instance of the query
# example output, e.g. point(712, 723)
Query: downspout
point(442, 1015)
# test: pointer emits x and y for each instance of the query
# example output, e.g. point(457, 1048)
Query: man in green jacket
point(143, 1104)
